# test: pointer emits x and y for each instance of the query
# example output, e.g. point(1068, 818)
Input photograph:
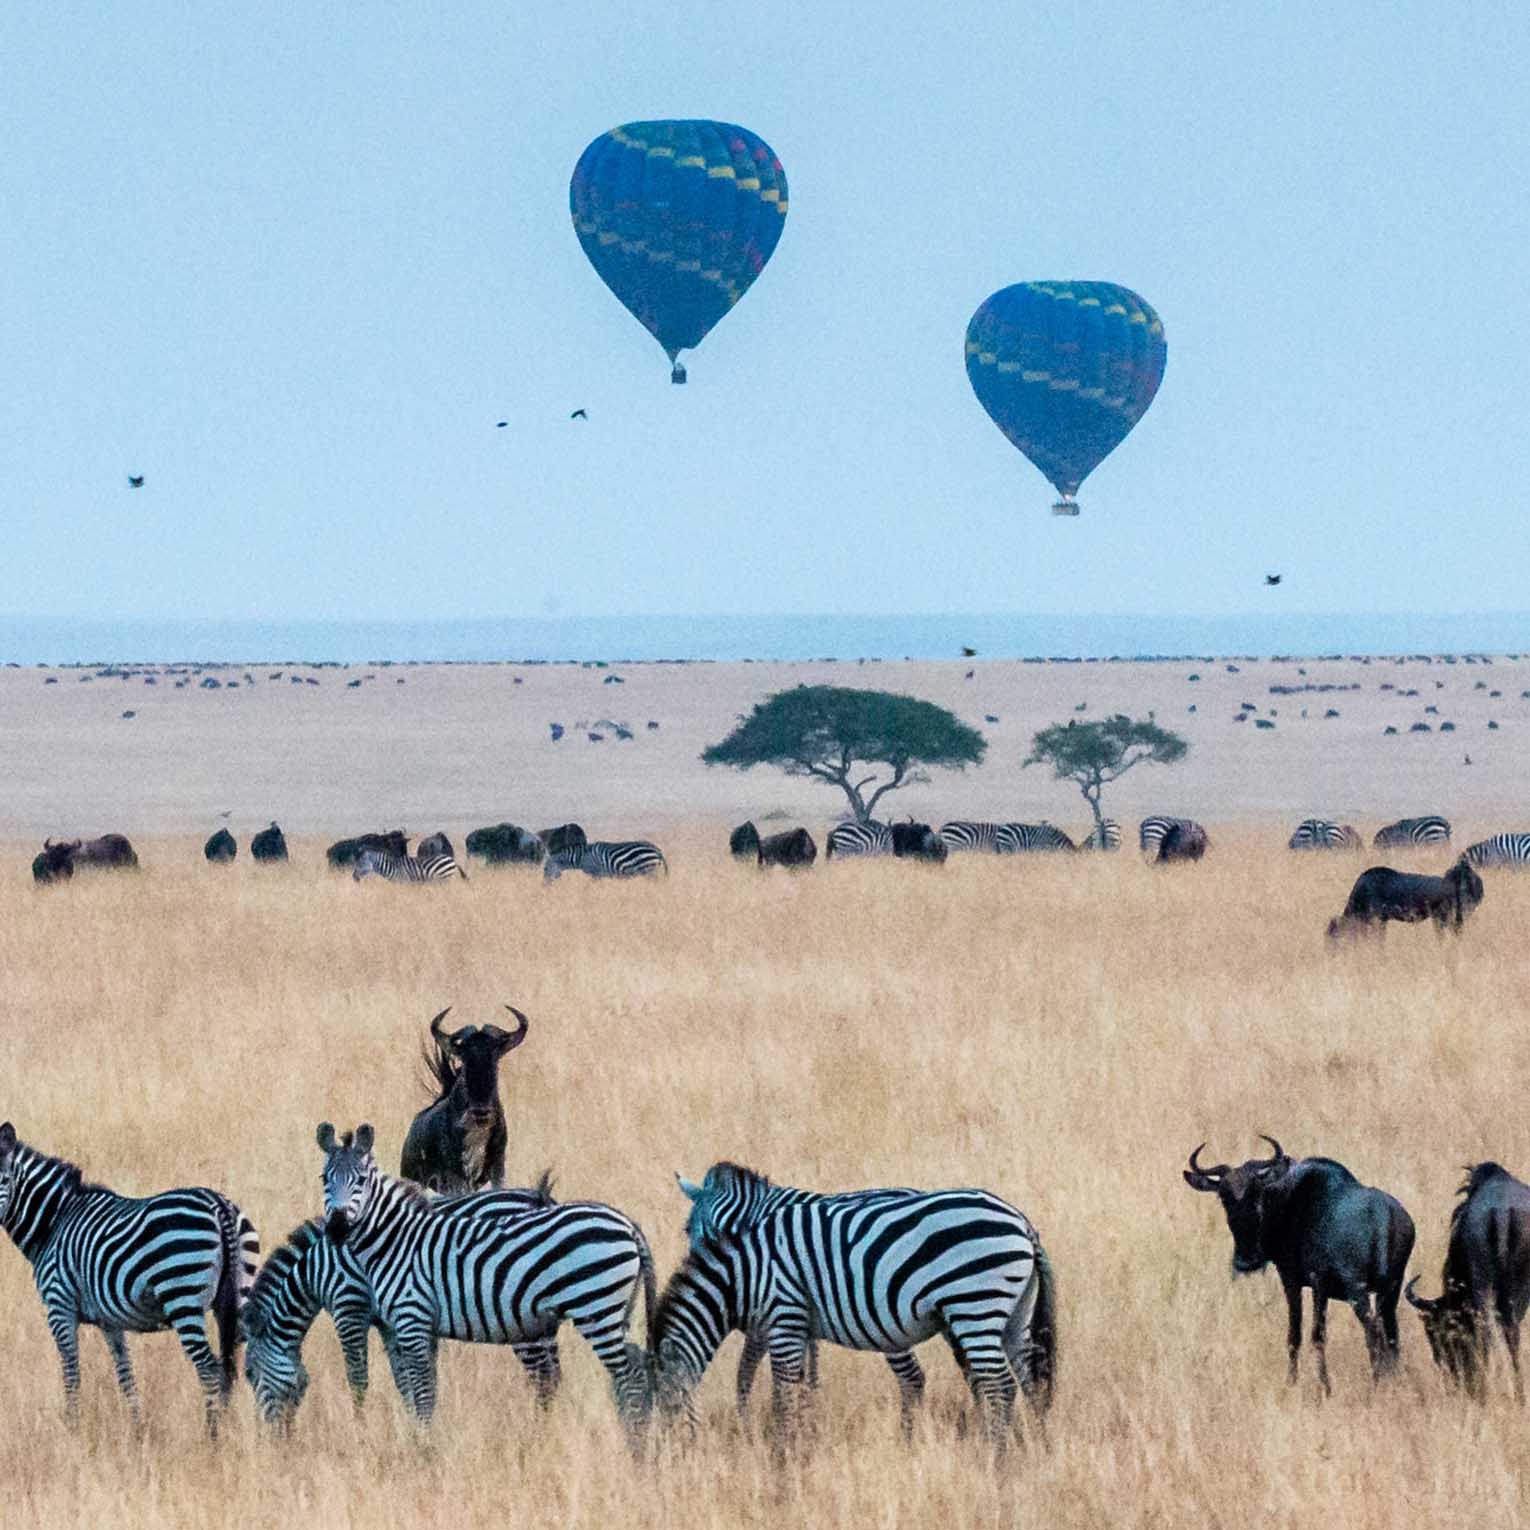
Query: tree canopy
point(1094, 754)
point(837, 734)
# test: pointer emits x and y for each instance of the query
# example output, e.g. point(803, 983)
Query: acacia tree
point(1094, 754)
point(837, 735)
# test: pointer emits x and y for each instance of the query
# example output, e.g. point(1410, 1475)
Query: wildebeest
point(343, 852)
point(221, 848)
point(506, 844)
point(566, 836)
point(795, 849)
point(1320, 1227)
point(1382, 894)
point(457, 1143)
point(1184, 841)
point(432, 845)
point(269, 845)
point(917, 841)
point(1488, 1261)
point(60, 859)
point(744, 842)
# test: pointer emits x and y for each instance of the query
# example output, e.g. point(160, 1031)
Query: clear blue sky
point(292, 263)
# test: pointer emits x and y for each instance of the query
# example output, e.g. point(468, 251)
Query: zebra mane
point(739, 1174)
point(73, 1176)
point(275, 1270)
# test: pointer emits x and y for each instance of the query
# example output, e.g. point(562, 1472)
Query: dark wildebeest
point(60, 859)
point(917, 841)
point(434, 844)
point(1488, 1261)
point(506, 844)
point(794, 849)
point(1382, 894)
point(567, 836)
point(1320, 1227)
point(343, 852)
point(269, 845)
point(1184, 841)
point(221, 848)
point(457, 1143)
point(744, 843)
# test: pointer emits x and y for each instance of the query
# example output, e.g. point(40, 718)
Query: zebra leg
point(748, 1366)
point(354, 1331)
point(625, 1363)
point(910, 1376)
point(64, 1325)
point(116, 1342)
point(191, 1329)
point(788, 1343)
point(980, 1350)
point(413, 1358)
point(540, 1357)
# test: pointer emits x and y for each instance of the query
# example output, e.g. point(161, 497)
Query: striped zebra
point(407, 868)
point(859, 839)
point(966, 834)
point(1105, 835)
point(1321, 834)
point(1411, 833)
point(872, 1272)
point(1023, 838)
point(607, 858)
point(435, 1277)
point(310, 1274)
point(1152, 832)
point(1501, 850)
point(129, 1266)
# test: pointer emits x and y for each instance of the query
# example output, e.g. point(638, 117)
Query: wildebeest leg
point(1386, 1317)
point(1371, 1323)
point(1320, 1337)
point(1503, 1303)
point(1293, 1289)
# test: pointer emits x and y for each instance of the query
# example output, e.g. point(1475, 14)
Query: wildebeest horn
point(518, 1035)
point(435, 1026)
point(1215, 1172)
point(1279, 1153)
point(1423, 1304)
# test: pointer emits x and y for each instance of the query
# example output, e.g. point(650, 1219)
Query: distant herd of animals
point(445, 1251)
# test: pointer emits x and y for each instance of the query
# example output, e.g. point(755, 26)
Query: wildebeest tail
point(236, 1274)
point(1030, 1336)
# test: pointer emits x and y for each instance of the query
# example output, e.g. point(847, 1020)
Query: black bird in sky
point(579, 414)
point(500, 424)
point(1272, 578)
point(135, 481)
point(968, 653)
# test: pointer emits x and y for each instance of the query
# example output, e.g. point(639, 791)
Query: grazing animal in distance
point(607, 858)
point(962, 835)
point(744, 842)
point(129, 1265)
point(1181, 839)
point(793, 849)
point(60, 859)
point(1320, 834)
point(343, 852)
point(458, 1141)
point(1320, 1228)
point(1025, 838)
point(221, 848)
point(1105, 836)
point(847, 839)
point(1487, 1265)
point(1381, 895)
point(506, 844)
point(566, 836)
point(269, 845)
point(412, 869)
point(1409, 833)
point(433, 845)
point(1152, 832)
point(1511, 850)
point(917, 842)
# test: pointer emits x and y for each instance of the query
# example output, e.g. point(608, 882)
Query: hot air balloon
point(1065, 369)
point(678, 218)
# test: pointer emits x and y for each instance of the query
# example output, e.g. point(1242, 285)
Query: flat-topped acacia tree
point(860, 741)
point(1094, 754)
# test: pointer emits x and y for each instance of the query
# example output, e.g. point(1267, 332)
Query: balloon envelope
point(678, 218)
point(1065, 369)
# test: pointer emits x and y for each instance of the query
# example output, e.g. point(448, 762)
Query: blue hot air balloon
point(678, 218)
point(1065, 369)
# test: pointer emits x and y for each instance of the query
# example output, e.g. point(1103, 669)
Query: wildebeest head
point(477, 1051)
point(434, 844)
point(1466, 884)
point(1241, 1189)
point(56, 863)
point(1451, 1328)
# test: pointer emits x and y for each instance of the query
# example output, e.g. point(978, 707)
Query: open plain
point(1062, 1031)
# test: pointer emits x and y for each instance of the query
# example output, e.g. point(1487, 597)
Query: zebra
point(310, 1273)
point(1501, 850)
point(1105, 835)
point(1152, 832)
point(965, 834)
point(1019, 838)
point(1320, 834)
point(607, 858)
point(129, 1266)
point(875, 1272)
point(1409, 833)
point(435, 1277)
point(859, 839)
point(407, 868)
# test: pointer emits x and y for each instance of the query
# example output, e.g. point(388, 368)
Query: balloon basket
point(677, 373)
point(1065, 506)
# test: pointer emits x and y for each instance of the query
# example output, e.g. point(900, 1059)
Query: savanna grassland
point(1062, 1032)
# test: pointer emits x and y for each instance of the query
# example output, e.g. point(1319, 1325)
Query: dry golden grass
point(1060, 1033)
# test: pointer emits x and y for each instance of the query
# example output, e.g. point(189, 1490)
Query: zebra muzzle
point(338, 1227)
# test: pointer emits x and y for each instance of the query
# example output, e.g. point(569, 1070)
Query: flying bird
point(1272, 578)
point(500, 424)
point(135, 482)
point(968, 653)
point(579, 414)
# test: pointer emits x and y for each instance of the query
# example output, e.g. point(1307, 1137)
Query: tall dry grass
point(1062, 1032)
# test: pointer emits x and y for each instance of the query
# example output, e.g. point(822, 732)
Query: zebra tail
point(650, 1285)
point(235, 1277)
point(1030, 1338)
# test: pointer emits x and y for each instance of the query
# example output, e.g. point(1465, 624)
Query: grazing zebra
point(310, 1274)
point(1105, 835)
point(1021, 838)
point(407, 868)
point(1501, 850)
point(129, 1266)
point(1320, 834)
point(435, 1277)
point(859, 839)
point(1153, 831)
point(966, 834)
point(876, 1272)
point(607, 858)
point(1409, 833)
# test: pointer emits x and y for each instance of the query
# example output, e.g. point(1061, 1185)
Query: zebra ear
point(7, 1140)
point(363, 1138)
point(325, 1137)
point(691, 1191)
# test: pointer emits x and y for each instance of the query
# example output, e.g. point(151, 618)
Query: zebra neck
point(396, 1210)
point(45, 1187)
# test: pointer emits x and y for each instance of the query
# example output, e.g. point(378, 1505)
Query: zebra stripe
point(964, 834)
point(1022, 838)
point(407, 868)
point(1407, 833)
point(1152, 832)
point(435, 1277)
point(881, 1271)
point(1501, 850)
point(1104, 836)
point(1321, 834)
point(859, 839)
point(607, 858)
point(310, 1274)
point(129, 1266)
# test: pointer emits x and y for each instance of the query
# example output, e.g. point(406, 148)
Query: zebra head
point(350, 1179)
point(723, 1202)
point(696, 1312)
point(273, 1353)
point(366, 865)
